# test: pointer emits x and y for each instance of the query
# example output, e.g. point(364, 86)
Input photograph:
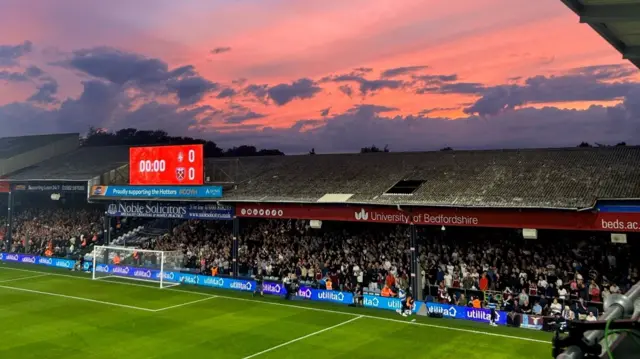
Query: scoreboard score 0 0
point(166, 165)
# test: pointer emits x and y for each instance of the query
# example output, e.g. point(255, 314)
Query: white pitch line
point(184, 304)
point(304, 337)
point(462, 330)
point(22, 278)
point(77, 298)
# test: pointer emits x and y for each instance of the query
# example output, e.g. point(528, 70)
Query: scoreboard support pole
point(9, 229)
point(106, 231)
point(416, 276)
point(234, 250)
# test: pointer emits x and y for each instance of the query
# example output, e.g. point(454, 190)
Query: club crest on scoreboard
point(180, 173)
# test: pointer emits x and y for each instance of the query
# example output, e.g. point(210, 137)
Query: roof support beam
point(631, 53)
point(609, 13)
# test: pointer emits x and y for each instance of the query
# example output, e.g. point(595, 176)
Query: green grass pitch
point(49, 313)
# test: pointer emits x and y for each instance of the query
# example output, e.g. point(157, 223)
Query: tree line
point(133, 137)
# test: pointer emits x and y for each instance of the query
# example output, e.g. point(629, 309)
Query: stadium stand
point(19, 152)
point(83, 163)
point(375, 257)
point(571, 178)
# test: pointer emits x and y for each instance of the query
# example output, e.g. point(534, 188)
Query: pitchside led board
point(166, 165)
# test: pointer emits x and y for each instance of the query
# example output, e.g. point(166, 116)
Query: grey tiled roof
point(546, 178)
point(11, 146)
point(81, 164)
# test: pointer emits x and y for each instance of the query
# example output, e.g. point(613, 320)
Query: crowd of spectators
point(54, 231)
point(547, 276)
point(550, 275)
point(205, 244)
point(457, 265)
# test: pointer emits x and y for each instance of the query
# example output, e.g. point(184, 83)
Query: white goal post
point(136, 264)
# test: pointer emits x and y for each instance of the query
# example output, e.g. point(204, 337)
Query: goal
point(145, 265)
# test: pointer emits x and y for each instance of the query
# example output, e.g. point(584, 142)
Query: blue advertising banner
point(210, 211)
point(618, 208)
point(321, 295)
point(274, 288)
point(374, 301)
point(177, 277)
point(31, 259)
point(466, 313)
point(192, 192)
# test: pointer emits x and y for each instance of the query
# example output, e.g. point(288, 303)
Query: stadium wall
point(39, 154)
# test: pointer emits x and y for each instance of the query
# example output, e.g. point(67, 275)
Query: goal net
point(137, 264)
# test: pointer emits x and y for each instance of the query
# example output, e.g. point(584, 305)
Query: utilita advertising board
point(166, 165)
point(44, 261)
point(508, 218)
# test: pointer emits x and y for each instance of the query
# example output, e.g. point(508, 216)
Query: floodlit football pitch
point(48, 313)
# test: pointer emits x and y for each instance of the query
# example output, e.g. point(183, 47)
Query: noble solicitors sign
point(539, 219)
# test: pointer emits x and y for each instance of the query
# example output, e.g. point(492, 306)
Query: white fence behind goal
point(136, 264)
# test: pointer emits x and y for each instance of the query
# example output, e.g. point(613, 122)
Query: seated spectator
point(556, 307)
point(568, 313)
point(580, 309)
point(537, 309)
point(591, 317)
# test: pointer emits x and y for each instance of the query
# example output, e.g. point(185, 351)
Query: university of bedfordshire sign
point(498, 218)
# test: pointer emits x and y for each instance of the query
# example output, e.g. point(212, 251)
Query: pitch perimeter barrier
point(269, 287)
point(31, 259)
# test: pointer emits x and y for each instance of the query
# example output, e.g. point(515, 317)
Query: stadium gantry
point(617, 21)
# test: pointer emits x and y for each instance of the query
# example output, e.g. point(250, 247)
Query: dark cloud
point(258, 91)
point(301, 89)
point(33, 71)
point(366, 86)
point(465, 88)
point(346, 89)
point(371, 109)
point(241, 118)
point(120, 67)
point(445, 84)
point(13, 76)
point(129, 69)
point(325, 112)
point(594, 83)
point(9, 54)
point(435, 79)
point(436, 109)
point(227, 92)
point(220, 50)
point(191, 90)
point(399, 71)
point(363, 70)
point(45, 93)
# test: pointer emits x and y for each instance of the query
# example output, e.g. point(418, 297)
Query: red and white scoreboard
point(166, 165)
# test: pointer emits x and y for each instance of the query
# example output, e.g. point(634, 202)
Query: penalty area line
point(185, 304)
point(303, 337)
point(24, 278)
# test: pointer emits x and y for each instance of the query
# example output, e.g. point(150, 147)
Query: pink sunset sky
point(336, 75)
